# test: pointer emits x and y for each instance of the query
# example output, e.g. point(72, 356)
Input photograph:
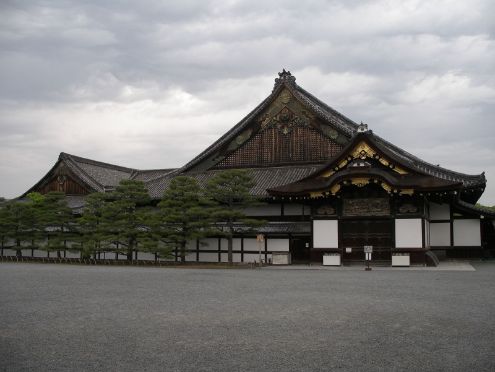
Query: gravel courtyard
point(96, 318)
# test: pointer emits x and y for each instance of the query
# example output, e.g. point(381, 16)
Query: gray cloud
point(126, 81)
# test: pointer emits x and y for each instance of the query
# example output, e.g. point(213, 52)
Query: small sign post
point(260, 238)
point(368, 250)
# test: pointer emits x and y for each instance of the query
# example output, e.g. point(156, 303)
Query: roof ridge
point(73, 164)
point(349, 121)
point(154, 170)
point(80, 159)
point(174, 172)
point(427, 164)
point(232, 132)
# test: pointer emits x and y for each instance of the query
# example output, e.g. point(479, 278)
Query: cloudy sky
point(150, 84)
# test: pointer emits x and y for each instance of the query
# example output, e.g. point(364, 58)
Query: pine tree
point(126, 218)
point(58, 222)
point(183, 214)
point(230, 190)
point(17, 219)
point(90, 225)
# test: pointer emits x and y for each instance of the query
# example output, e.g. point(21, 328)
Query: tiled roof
point(476, 209)
point(149, 175)
point(264, 178)
point(97, 174)
point(422, 166)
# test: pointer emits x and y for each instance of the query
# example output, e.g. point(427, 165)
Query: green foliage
point(183, 214)
point(91, 233)
point(18, 224)
point(230, 191)
point(56, 219)
point(125, 219)
point(492, 208)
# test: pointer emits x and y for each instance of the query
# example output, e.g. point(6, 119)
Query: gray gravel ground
point(96, 318)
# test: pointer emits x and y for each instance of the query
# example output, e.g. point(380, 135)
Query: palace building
point(330, 185)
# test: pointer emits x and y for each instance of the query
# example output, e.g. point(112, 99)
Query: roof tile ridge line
point(233, 131)
point(139, 171)
point(75, 158)
point(297, 166)
point(325, 105)
point(157, 177)
point(424, 162)
point(176, 171)
point(72, 163)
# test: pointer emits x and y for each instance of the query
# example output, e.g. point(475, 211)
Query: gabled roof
point(96, 173)
point(411, 172)
point(285, 80)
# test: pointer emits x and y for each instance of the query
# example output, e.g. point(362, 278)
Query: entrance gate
point(355, 234)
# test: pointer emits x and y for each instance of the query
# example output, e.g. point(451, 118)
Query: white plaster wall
point(236, 257)
point(264, 210)
point(9, 252)
point(208, 257)
point(72, 254)
point(146, 256)
point(325, 234)
point(467, 233)
point(408, 233)
point(236, 244)
point(439, 211)
point(191, 257)
point(278, 245)
point(39, 253)
point(26, 252)
point(252, 245)
point(208, 244)
point(252, 257)
point(440, 234)
point(295, 209)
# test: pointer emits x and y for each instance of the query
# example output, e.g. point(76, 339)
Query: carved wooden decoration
point(366, 207)
point(287, 134)
point(408, 208)
point(325, 210)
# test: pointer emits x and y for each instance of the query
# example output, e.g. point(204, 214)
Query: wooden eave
point(74, 174)
point(399, 175)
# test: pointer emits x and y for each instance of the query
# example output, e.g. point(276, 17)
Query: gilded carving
point(284, 121)
point(326, 210)
point(408, 208)
point(366, 207)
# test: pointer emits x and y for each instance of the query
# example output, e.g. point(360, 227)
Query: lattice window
point(273, 147)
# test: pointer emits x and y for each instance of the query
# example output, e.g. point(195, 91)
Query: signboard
point(348, 250)
point(366, 207)
point(368, 249)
